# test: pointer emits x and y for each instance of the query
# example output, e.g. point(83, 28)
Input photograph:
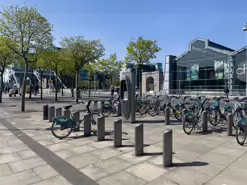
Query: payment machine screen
point(124, 92)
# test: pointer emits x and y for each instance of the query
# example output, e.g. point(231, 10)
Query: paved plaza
point(30, 154)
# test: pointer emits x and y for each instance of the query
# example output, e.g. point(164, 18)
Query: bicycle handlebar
point(240, 100)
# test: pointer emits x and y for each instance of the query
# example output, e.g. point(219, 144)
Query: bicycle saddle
point(67, 107)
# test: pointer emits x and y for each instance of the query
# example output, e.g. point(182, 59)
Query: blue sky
point(173, 23)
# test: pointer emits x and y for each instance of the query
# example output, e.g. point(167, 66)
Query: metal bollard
point(87, 125)
point(101, 129)
point(119, 109)
point(117, 133)
point(167, 116)
point(58, 112)
point(76, 119)
point(229, 124)
point(204, 121)
point(51, 113)
point(167, 148)
point(139, 140)
point(45, 112)
point(66, 113)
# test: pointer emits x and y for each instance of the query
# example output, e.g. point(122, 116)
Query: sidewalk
point(212, 159)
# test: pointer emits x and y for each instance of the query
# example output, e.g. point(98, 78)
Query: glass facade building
point(206, 67)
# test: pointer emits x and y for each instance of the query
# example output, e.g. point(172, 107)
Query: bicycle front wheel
point(188, 127)
point(61, 130)
point(106, 110)
point(153, 110)
point(214, 117)
point(236, 116)
point(240, 135)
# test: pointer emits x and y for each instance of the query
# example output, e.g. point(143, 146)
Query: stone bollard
point(101, 129)
point(87, 125)
point(117, 133)
point(76, 119)
point(167, 116)
point(229, 124)
point(58, 112)
point(167, 148)
point(66, 113)
point(119, 109)
point(204, 121)
point(45, 112)
point(51, 113)
point(139, 140)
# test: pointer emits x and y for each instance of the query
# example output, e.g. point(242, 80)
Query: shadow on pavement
point(194, 163)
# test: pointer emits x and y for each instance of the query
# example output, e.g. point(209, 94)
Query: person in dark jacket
point(112, 90)
point(226, 90)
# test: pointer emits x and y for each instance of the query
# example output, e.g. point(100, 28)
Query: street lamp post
point(245, 30)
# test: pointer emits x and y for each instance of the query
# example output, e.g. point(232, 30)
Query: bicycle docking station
point(45, 112)
point(127, 96)
point(51, 113)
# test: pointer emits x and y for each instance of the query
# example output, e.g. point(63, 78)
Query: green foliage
point(117, 83)
point(7, 56)
point(28, 31)
point(141, 51)
point(110, 67)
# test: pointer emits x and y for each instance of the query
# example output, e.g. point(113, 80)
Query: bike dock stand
point(51, 113)
point(101, 129)
point(76, 119)
point(229, 124)
point(119, 109)
point(167, 148)
point(204, 121)
point(66, 113)
point(167, 116)
point(87, 125)
point(58, 112)
point(117, 141)
point(139, 140)
point(45, 112)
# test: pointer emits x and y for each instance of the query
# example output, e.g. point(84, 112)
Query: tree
point(140, 52)
point(6, 58)
point(92, 68)
point(82, 52)
point(53, 59)
point(110, 67)
point(29, 32)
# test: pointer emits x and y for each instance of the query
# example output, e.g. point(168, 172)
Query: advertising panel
point(219, 69)
point(194, 71)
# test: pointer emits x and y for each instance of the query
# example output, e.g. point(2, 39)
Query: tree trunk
point(24, 88)
point(62, 86)
point(30, 93)
point(89, 87)
point(1, 86)
point(41, 85)
point(140, 80)
point(56, 86)
point(72, 90)
point(76, 86)
point(111, 80)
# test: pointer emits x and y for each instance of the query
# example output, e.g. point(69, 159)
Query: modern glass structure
point(206, 67)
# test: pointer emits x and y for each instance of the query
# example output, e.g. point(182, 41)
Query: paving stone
point(64, 154)
point(83, 160)
point(79, 142)
point(121, 178)
point(45, 172)
point(27, 154)
point(202, 149)
point(186, 155)
point(14, 142)
point(56, 140)
point(106, 153)
point(113, 165)
point(186, 177)
point(26, 164)
point(22, 178)
point(14, 148)
point(161, 181)
point(102, 144)
point(228, 151)
point(54, 181)
point(6, 158)
point(158, 160)
point(153, 150)
point(147, 171)
point(130, 157)
point(59, 146)
point(82, 149)
point(5, 170)
point(217, 159)
point(46, 142)
point(94, 172)
point(210, 170)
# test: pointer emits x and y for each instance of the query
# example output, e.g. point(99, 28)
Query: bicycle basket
point(64, 121)
point(242, 122)
point(228, 108)
point(106, 106)
point(216, 104)
point(189, 116)
point(244, 105)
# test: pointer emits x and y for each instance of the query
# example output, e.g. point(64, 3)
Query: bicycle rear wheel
point(153, 110)
point(61, 130)
point(106, 110)
point(236, 116)
point(240, 135)
point(214, 117)
point(188, 127)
